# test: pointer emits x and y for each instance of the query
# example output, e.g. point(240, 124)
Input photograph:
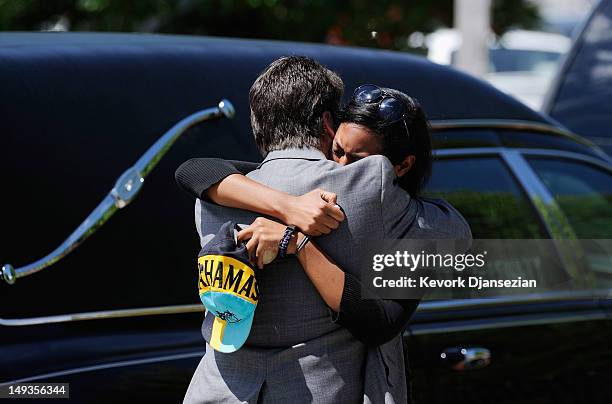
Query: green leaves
point(383, 23)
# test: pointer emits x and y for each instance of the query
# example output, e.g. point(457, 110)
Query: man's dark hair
point(288, 101)
point(395, 143)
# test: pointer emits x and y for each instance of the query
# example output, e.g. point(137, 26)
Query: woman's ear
point(402, 168)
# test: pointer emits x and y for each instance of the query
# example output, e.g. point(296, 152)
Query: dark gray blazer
point(293, 341)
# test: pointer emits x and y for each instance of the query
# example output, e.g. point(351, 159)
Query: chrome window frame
point(527, 181)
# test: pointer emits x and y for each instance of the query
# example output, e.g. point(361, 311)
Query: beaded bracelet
point(284, 243)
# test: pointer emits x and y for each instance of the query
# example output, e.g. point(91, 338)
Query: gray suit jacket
point(293, 340)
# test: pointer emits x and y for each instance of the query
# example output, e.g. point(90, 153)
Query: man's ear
point(328, 125)
point(402, 168)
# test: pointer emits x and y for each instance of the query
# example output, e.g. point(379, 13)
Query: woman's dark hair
point(396, 144)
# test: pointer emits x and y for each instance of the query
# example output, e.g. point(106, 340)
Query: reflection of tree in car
point(494, 214)
point(589, 215)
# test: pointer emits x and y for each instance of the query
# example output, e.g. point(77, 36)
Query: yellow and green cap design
point(228, 289)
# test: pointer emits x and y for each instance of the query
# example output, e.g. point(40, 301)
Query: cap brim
point(224, 336)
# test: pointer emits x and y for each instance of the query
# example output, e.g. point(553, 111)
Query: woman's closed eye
point(347, 158)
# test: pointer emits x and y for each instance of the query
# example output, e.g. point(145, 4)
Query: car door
point(119, 318)
point(583, 189)
point(518, 349)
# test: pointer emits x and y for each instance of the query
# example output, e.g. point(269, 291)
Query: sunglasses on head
point(390, 108)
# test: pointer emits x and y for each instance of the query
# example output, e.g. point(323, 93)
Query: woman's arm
point(222, 182)
point(195, 176)
point(372, 321)
point(264, 237)
point(327, 277)
point(314, 213)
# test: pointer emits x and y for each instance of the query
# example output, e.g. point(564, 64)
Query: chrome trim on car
point(511, 124)
point(520, 320)
point(542, 200)
point(469, 151)
point(103, 315)
point(432, 306)
point(134, 362)
point(125, 190)
point(426, 307)
point(566, 155)
point(481, 151)
point(540, 197)
point(440, 124)
point(601, 140)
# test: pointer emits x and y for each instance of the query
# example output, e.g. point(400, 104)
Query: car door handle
point(466, 358)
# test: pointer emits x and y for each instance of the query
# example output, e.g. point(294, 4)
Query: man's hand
point(314, 213)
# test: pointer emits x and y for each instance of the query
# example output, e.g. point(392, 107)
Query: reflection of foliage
point(568, 247)
point(590, 216)
point(495, 214)
point(556, 220)
point(347, 22)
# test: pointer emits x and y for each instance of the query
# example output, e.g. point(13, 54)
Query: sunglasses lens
point(367, 93)
point(391, 109)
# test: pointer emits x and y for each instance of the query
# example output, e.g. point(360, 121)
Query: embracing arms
point(328, 278)
point(223, 183)
point(372, 321)
point(314, 213)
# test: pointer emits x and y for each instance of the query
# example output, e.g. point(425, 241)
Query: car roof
point(65, 67)
point(445, 93)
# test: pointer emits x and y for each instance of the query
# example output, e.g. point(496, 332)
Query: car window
point(583, 191)
point(494, 204)
point(584, 194)
point(487, 195)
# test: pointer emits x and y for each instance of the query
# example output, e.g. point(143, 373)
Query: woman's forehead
point(355, 137)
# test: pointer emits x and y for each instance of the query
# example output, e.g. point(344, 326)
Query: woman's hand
point(265, 236)
point(314, 213)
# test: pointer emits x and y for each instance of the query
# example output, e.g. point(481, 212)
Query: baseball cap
point(228, 289)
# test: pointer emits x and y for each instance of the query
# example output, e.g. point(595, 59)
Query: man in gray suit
point(296, 351)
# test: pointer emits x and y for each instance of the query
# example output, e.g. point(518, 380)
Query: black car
point(119, 317)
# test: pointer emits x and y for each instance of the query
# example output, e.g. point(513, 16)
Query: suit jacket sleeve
point(196, 175)
point(376, 321)
point(372, 321)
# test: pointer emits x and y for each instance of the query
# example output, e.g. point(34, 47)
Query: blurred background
point(514, 44)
